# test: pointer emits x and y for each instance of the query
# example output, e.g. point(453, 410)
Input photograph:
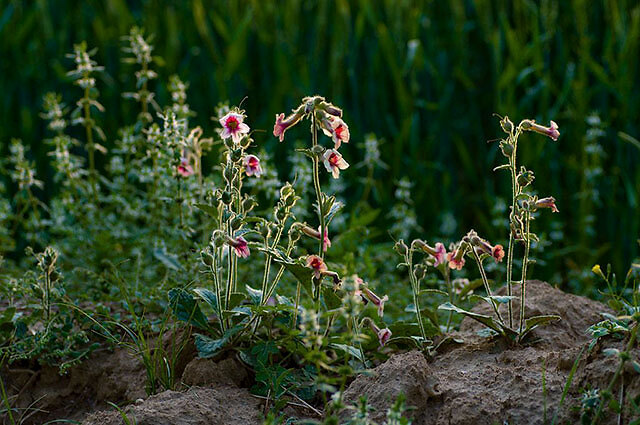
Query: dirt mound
point(115, 376)
point(199, 406)
point(484, 381)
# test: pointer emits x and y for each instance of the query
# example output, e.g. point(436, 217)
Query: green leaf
point(300, 271)
point(208, 347)
point(331, 298)
point(185, 308)
point(254, 294)
point(636, 365)
point(349, 349)
point(608, 352)
point(535, 321)
point(209, 209)
point(335, 207)
point(432, 291)
point(236, 299)
point(484, 319)
point(209, 297)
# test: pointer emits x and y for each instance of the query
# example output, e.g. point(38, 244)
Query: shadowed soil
point(486, 381)
point(478, 381)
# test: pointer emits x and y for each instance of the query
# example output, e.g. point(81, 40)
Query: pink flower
point(548, 202)
point(456, 260)
point(551, 131)
point(252, 165)
point(497, 252)
point(334, 162)
point(233, 126)
point(337, 129)
point(439, 253)
point(185, 169)
point(316, 235)
point(240, 246)
point(383, 336)
point(316, 264)
point(283, 124)
point(376, 300)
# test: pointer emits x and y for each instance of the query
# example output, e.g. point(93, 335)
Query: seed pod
point(226, 197)
point(401, 248)
point(206, 257)
point(236, 155)
point(506, 124)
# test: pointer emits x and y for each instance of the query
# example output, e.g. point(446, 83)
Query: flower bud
point(318, 150)
point(218, 238)
point(506, 148)
point(525, 177)
point(401, 248)
point(206, 257)
point(237, 222)
point(248, 203)
point(236, 155)
point(506, 124)
point(226, 197)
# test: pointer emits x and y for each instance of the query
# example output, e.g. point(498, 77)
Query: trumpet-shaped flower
point(548, 202)
point(240, 246)
point(334, 162)
point(551, 131)
point(282, 123)
point(316, 264)
point(185, 169)
point(456, 259)
point(252, 165)
point(311, 232)
point(337, 129)
point(439, 253)
point(383, 334)
point(233, 126)
point(375, 300)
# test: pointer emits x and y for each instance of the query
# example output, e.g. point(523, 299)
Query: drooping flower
point(548, 202)
point(383, 334)
point(282, 123)
point(334, 162)
point(233, 126)
point(311, 232)
point(185, 169)
point(316, 264)
point(496, 251)
point(252, 165)
point(439, 253)
point(376, 300)
point(551, 131)
point(337, 129)
point(456, 259)
point(240, 246)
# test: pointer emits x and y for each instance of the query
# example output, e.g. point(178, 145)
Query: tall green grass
point(424, 75)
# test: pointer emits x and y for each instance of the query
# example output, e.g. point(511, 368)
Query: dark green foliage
point(424, 75)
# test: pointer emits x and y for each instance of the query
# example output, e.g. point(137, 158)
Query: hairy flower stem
point(525, 262)
point(485, 281)
point(86, 105)
point(415, 286)
point(447, 278)
point(316, 186)
point(515, 191)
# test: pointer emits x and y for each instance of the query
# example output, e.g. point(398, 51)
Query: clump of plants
point(523, 207)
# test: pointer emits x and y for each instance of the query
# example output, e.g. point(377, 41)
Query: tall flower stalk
point(83, 75)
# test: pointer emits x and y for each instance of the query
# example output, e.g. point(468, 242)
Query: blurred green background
point(425, 76)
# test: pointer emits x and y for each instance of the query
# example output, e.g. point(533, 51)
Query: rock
point(407, 373)
point(206, 372)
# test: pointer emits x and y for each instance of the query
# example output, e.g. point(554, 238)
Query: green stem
point(525, 261)
point(447, 278)
point(415, 285)
point(485, 281)
point(90, 145)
